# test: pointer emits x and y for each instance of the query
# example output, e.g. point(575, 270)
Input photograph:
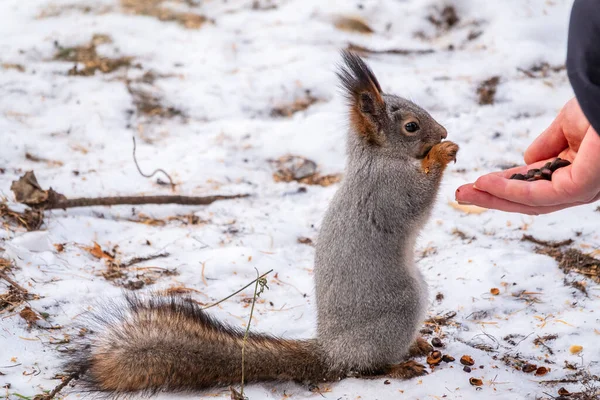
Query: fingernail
point(464, 203)
point(475, 187)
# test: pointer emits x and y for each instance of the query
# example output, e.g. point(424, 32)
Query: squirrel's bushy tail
point(169, 343)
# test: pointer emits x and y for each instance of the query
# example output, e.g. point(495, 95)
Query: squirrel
point(370, 296)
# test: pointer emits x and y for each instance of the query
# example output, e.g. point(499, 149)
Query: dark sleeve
point(583, 58)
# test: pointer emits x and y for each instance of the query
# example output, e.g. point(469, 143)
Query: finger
point(538, 193)
point(549, 144)
point(466, 194)
point(586, 168)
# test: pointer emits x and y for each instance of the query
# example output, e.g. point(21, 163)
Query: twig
point(546, 243)
point(233, 294)
point(13, 283)
point(263, 283)
point(28, 191)
point(136, 260)
point(403, 52)
point(57, 389)
point(153, 173)
point(137, 200)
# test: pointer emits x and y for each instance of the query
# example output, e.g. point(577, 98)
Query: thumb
point(549, 144)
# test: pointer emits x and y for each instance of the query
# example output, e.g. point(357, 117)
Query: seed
point(467, 360)
point(527, 368)
point(467, 369)
point(495, 291)
point(563, 392)
point(559, 163)
point(386, 382)
point(475, 382)
point(541, 371)
point(434, 358)
point(575, 349)
point(447, 358)
point(531, 173)
point(437, 342)
point(519, 177)
point(547, 173)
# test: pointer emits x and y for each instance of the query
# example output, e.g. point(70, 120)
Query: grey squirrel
point(371, 298)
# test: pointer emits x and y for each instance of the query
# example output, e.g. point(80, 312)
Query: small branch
point(529, 238)
point(153, 173)
point(136, 260)
point(137, 200)
point(57, 389)
point(13, 283)
point(233, 294)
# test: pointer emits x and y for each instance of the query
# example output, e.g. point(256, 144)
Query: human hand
point(570, 137)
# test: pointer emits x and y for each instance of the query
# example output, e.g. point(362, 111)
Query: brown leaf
point(28, 191)
point(97, 252)
point(29, 315)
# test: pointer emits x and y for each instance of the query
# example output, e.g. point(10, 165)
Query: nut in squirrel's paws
point(439, 156)
point(406, 370)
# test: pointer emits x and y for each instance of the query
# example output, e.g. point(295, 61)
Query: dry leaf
point(97, 252)
point(467, 209)
point(352, 24)
point(29, 315)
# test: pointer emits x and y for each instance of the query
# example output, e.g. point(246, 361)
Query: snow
point(226, 77)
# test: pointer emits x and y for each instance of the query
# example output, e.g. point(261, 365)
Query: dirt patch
point(16, 67)
point(128, 273)
point(29, 219)
point(542, 70)
point(297, 168)
point(88, 56)
point(572, 261)
point(162, 12)
point(486, 91)
point(299, 104)
point(444, 18)
point(56, 10)
point(149, 104)
point(185, 219)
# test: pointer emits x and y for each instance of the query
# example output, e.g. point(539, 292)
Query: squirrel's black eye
point(411, 127)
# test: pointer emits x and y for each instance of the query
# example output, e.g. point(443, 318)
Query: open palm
point(571, 137)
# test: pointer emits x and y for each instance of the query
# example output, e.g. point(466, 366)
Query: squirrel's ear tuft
point(364, 94)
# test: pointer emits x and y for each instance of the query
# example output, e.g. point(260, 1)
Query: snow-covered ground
point(225, 78)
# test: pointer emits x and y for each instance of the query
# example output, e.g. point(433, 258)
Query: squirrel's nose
point(444, 132)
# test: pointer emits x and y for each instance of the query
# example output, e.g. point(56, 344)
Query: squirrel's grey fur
point(371, 298)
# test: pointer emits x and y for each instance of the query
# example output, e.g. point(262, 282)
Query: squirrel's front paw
point(439, 156)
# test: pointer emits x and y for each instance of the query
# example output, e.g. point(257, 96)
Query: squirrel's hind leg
point(419, 348)
point(405, 370)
